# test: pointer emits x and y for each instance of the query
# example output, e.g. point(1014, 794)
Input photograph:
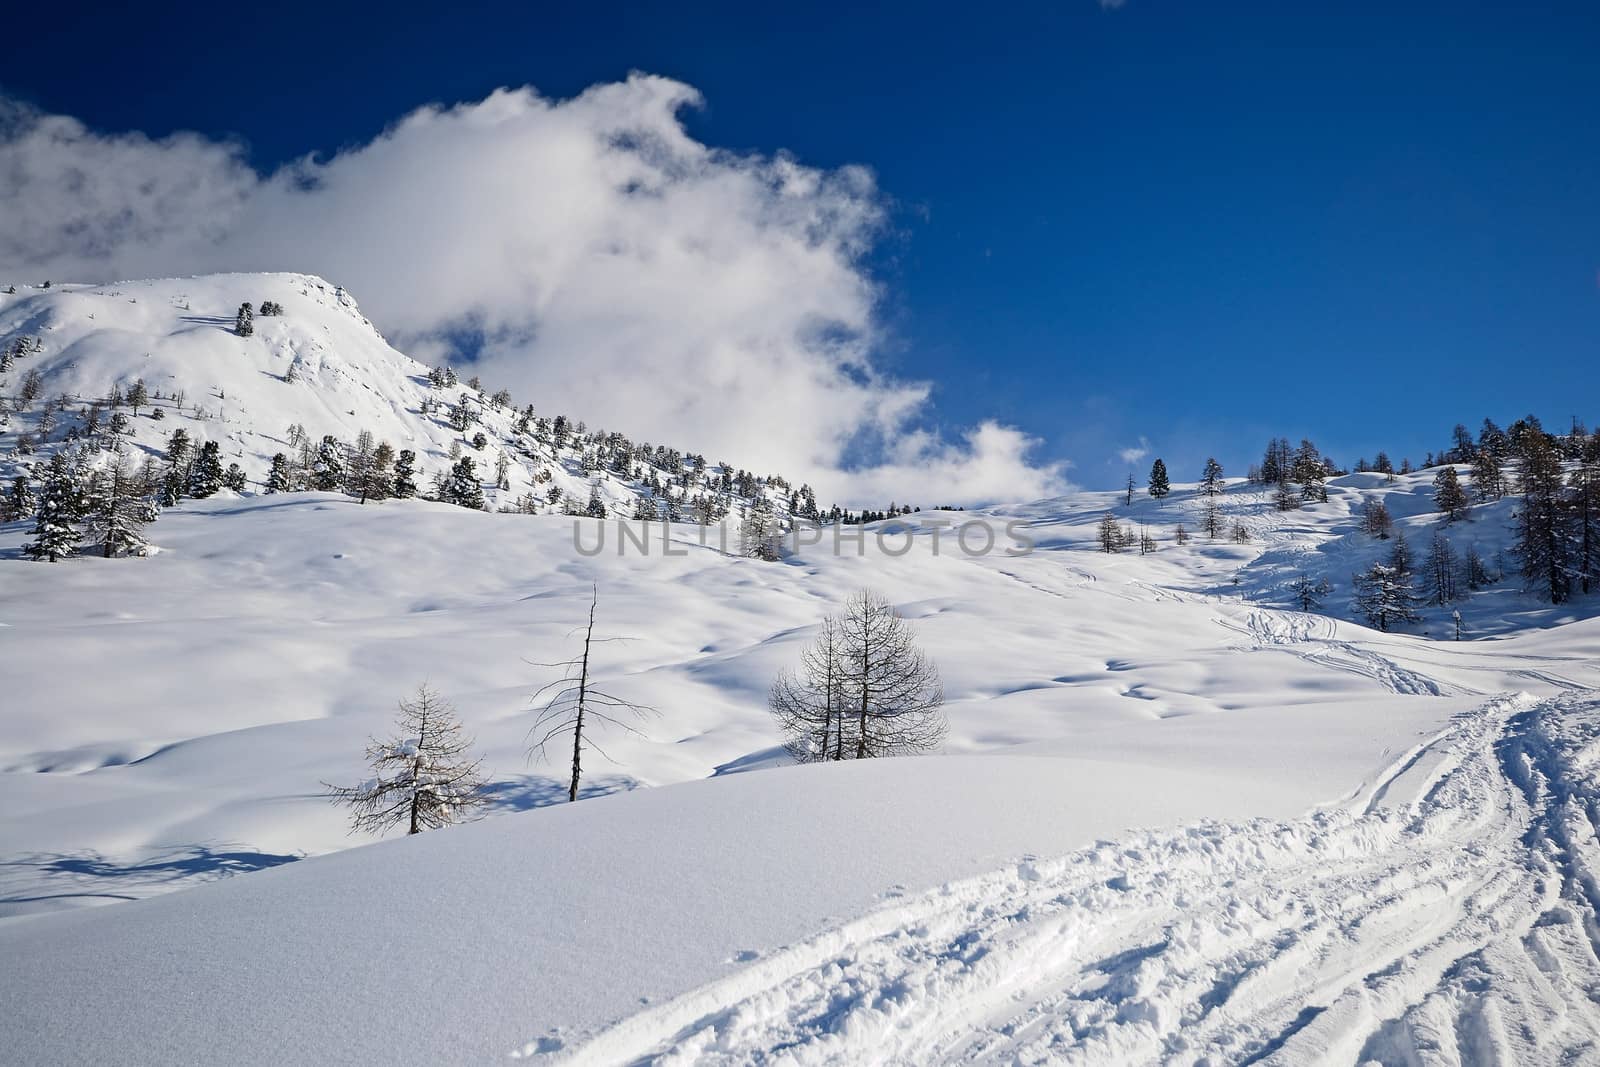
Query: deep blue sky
point(1202, 222)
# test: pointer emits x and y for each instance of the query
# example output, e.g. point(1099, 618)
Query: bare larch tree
point(810, 705)
point(864, 689)
point(575, 705)
point(424, 777)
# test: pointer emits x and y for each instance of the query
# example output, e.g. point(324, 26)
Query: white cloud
point(1137, 452)
point(615, 268)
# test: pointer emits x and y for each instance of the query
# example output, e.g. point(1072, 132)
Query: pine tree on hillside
point(404, 485)
point(1448, 496)
point(758, 532)
point(596, 508)
point(244, 323)
point(1544, 543)
point(1159, 485)
point(1310, 470)
point(462, 488)
point(138, 396)
point(32, 386)
point(55, 533)
point(1211, 478)
point(1110, 534)
point(1475, 570)
point(1285, 498)
point(1384, 597)
point(1310, 594)
point(206, 474)
point(234, 478)
point(118, 512)
point(280, 478)
point(1585, 507)
point(328, 469)
point(1375, 519)
point(1401, 561)
point(1488, 482)
point(21, 503)
point(369, 476)
point(1211, 518)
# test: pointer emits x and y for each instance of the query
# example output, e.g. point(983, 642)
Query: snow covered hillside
point(1175, 817)
point(318, 366)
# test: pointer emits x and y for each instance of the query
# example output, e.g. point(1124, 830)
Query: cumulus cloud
point(601, 261)
point(1135, 453)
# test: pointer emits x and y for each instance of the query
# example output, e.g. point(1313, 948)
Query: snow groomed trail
point(1458, 926)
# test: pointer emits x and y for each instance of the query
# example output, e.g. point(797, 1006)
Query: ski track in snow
point(1314, 639)
point(1460, 927)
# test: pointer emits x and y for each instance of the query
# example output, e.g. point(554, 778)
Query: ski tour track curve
point(1459, 927)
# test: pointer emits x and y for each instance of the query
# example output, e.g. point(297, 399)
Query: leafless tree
point(574, 704)
point(424, 777)
point(810, 705)
point(892, 689)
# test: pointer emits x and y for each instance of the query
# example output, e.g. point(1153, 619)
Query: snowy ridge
point(320, 364)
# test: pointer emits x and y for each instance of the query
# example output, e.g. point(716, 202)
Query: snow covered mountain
point(320, 367)
point(1175, 818)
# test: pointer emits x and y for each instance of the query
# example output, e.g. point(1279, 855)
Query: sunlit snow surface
point(1174, 820)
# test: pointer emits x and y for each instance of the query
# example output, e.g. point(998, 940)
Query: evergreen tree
point(1448, 496)
point(1286, 499)
point(1159, 485)
point(462, 488)
point(1310, 470)
point(1211, 478)
point(118, 512)
point(370, 476)
point(1544, 544)
point(1401, 560)
point(1585, 509)
point(758, 534)
point(21, 503)
point(206, 474)
point(1375, 519)
point(280, 479)
point(244, 323)
point(1477, 572)
point(1488, 482)
point(1110, 534)
point(1384, 597)
point(55, 532)
point(1310, 594)
point(234, 478)
point(404, 484)
point(328, 471)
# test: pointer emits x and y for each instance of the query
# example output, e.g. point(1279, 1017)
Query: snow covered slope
point(320, 365)
point(1174, 817)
